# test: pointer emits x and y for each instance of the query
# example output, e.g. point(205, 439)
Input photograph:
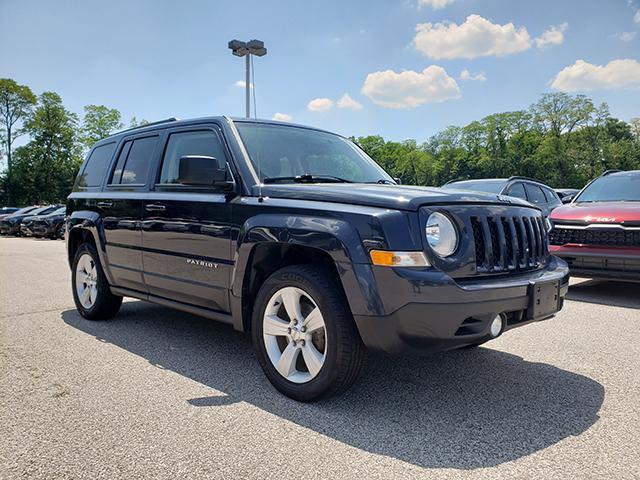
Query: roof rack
point(158, 122)
point(609, 172)
point(518, 177)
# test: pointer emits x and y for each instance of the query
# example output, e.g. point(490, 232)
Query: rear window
point(134, 160)
point(96, 167)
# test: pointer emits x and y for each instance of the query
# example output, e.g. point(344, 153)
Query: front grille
point(610, 237)
point(508, 243)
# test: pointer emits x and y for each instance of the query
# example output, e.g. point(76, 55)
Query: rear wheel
point(304, 334)
point(91, 292)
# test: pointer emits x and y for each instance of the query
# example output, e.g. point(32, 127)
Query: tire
point(329, 358)
point(59, 232)
point(99, 304)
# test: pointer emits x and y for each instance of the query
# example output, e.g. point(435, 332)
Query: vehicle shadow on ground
point(466, 409)
point(602, 292)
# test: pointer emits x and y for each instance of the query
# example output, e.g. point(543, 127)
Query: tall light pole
point(246, 49)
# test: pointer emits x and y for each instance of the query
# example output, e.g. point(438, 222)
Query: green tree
point(16, 103)
point(98, 122)
point(46, 166)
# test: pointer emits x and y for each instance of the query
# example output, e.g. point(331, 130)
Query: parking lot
point(156, 393)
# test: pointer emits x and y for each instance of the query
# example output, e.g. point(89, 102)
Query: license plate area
point(544, 298)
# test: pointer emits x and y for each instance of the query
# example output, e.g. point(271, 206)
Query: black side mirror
point(398, 180)
point(568, 198)
point(199, 170)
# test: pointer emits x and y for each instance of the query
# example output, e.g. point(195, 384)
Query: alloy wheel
point(294, 334)
point(86, 281)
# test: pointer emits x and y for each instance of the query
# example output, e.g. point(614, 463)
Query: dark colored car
point(6, 211)
point(566, 194)
point(50, 225)
point(598, 233)
point(26, 224)
point(527, 189)
point(295, 235)
point(10, 225)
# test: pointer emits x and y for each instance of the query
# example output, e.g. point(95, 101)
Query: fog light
point(496, 326)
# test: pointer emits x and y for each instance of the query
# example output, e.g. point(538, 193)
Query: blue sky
point(155, 59)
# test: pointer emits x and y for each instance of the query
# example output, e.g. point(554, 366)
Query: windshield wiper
point(383, 181)
point(307, 178)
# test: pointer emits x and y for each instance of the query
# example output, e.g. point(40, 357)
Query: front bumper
point(601, 262)
point(43, 230)
point(433, 312)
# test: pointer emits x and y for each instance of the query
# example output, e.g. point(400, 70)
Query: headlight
point(442, 235)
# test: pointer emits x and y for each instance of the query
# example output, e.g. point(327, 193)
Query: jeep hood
point(398, 197)
point(598, 212)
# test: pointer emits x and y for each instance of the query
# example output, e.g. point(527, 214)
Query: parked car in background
point(27, 222)
point(566, 194)
point(6, 211)
point(10, 225)
point(527, 189)
point(50, 225)
point(598, 233)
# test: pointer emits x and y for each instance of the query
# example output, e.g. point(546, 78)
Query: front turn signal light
point(398, 259)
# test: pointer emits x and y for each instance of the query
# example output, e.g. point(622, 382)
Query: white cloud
point(282, 117)
point(435, 4)
point(466, 75)
point(347, 102)
point(320, 105)
point(626, 36)
point(622, 73)
point(476, 37)
point(636, 17)
point(409, 89)
point(554, 35)
point(242, 84)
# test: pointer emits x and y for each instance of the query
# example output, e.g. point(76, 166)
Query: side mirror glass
point(200, 170)
point(568, 198)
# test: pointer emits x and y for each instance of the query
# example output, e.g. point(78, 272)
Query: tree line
point(43, 168)
point(562, 140)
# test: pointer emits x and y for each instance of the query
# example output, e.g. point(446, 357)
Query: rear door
point(186, 231)
point(120, 206)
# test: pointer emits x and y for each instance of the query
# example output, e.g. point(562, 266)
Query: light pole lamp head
point(238, 48)
point(256, 47)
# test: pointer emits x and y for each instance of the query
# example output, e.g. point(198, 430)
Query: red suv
point(598, 233)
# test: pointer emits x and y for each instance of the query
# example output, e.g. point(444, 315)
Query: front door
point(120, 206)
point(186, 234)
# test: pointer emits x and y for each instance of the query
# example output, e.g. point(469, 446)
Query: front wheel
point(305, 337)
point(91, 292)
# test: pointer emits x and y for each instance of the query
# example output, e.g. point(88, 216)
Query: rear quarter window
point(96, 167)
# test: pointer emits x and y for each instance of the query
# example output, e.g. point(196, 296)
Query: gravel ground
point(157, 393)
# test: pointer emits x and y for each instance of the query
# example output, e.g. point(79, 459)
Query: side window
point(552, 197)
point(535, 194)
point(202, 142)
point(133, 161)
point(517, 190)
point(96, 167)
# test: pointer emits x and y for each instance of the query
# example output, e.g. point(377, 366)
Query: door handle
point(104, 204)
point(154, 207)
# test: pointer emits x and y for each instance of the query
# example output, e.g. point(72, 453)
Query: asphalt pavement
point(156, 393)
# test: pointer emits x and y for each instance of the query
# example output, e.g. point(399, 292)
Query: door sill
point(185, 307)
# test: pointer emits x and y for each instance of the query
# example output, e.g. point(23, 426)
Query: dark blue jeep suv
point(295, 235)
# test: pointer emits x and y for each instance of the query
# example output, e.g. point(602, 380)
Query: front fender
point(336, 237)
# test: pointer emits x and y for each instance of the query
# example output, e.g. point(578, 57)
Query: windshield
point(612, 188)
point(282, 153)
point(488, 186)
